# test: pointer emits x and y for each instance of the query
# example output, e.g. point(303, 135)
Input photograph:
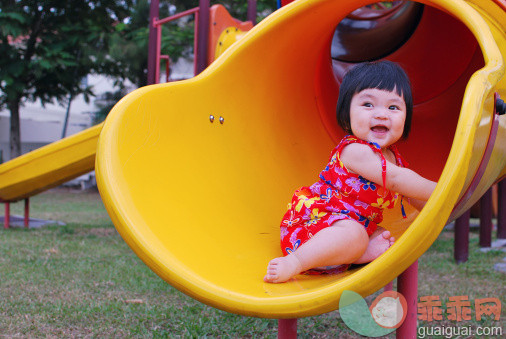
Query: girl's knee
point(354, 231)
point(353, 237)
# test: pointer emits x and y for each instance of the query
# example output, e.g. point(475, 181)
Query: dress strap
point(398, 157)
point(403, 163)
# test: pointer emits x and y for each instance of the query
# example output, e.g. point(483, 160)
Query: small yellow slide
point(196, 175)
point(49, 166)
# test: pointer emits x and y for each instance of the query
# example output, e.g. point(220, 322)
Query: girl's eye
point(393, 108)
point(367, 104)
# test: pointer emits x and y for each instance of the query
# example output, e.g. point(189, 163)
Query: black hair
point(383, 75)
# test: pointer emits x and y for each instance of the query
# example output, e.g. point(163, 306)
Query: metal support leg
point(407, 285)
point(287, 328)
point(461, 238)
point(486, 219)
point(153, 14)
point(27, 212)
point(7, 215)
point(202, 35)
point(501, 209)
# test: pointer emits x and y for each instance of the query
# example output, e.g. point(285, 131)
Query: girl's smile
point(378, 116)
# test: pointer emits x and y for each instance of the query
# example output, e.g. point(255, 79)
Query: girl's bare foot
point(377, 246)
point(282, 269)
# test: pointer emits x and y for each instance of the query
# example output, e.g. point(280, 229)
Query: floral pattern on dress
point(339, 194)
point(354, 184)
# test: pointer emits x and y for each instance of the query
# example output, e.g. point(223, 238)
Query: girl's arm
point(362, 160)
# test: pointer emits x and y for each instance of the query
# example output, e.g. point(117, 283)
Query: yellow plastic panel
point(229, 36)
point(49, 166)
point(200, 202)
point(495, 168)
point(495, 16)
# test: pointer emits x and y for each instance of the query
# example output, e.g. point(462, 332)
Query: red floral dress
point(339, 194)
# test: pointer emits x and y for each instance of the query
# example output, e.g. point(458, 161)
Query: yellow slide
point(196, 174)
point(49, 166)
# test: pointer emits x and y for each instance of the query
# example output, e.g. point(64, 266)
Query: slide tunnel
point(196, 175)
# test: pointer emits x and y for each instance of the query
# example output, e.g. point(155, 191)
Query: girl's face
point(377, 116)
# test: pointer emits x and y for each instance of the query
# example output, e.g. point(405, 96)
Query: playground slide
point(49, 166)
point(197, 174)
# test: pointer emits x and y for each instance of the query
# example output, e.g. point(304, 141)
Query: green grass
point(82, 280)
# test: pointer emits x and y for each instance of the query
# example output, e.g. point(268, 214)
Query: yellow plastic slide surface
point(200, 200)
point(49, 166)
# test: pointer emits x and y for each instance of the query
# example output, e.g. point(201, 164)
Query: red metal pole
point(407, 285)
point(7, 215)
point(461, 238)
point(153, 15)
point(158, 52)
point(501, 209)
point(202, 35)
point(287, 328)
point(27, 212)
point(167, 68)
point(195, 43)
point(486, 219)
point(158, 24)
point(175, 16)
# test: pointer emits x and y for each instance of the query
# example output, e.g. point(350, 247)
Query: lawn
point(82, 280)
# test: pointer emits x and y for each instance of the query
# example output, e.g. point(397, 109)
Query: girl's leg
point(379, 242)
point(342, 243)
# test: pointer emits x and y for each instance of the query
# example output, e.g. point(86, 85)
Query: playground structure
point(173, 170)
point(47, 167)
point(252, 123)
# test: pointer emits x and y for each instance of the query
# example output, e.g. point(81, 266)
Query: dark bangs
point(383, 75)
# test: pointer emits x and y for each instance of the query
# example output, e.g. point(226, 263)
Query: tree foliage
point(237, 8)
point(128, 48)
point(129, 41)
point(47, 47)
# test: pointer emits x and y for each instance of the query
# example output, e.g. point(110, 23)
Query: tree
point(128, 48)
point(239, 8)
point(129, 41)
point(47, 47)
